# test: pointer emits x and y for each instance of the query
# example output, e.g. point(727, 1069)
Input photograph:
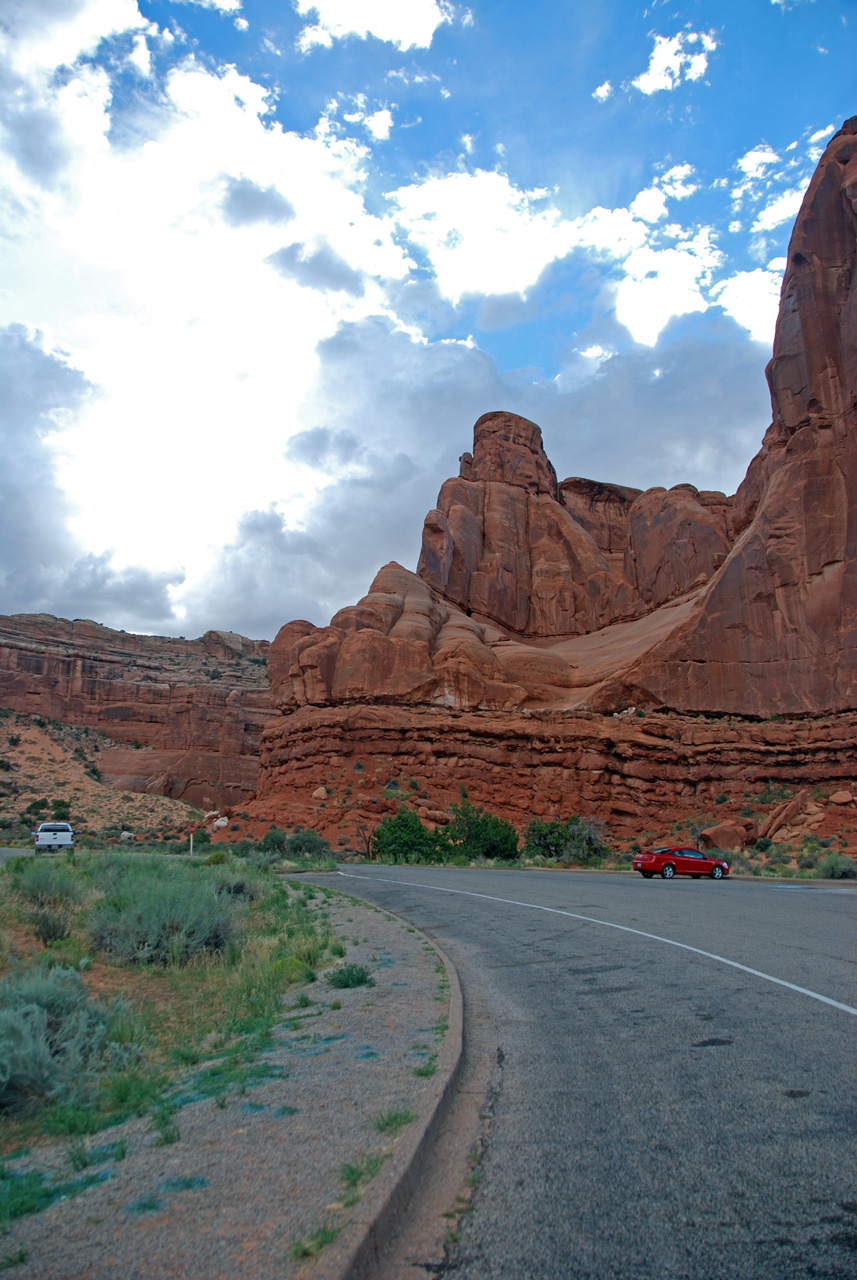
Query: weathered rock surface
point(776, 630)
point(538, 603)
point(195, 707)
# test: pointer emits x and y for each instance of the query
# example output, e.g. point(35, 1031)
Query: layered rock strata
point(537, 603)
point(193, 709)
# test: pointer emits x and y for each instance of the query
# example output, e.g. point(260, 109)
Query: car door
point(691, 862)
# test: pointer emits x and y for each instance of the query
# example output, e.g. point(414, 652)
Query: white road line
point(623, 928)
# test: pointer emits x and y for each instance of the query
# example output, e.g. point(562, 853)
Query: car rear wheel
point(667, 871)
point(716, 873)
point(647, 875)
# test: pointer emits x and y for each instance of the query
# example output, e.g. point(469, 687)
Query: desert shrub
point(807, 862)
point(54, 1039)
point(47, 885)
point(763, 844)
point(307, 843)
point(165, 920)
point(835, 866)
point(350, 975)
point(401, 837)
point(475, 833)
point(587, 840)
point(575, 839)
point(50, 926)
point(275, 841)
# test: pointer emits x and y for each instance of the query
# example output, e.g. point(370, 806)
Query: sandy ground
point(245, 1182)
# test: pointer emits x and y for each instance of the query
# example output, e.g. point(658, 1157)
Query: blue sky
point(266, 262)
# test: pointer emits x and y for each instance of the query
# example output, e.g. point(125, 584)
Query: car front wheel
point(716, 873)
point(667, 871)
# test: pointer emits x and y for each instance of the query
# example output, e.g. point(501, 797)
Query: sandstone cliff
point(776, 630)
point(191, 710)
point(540, 609)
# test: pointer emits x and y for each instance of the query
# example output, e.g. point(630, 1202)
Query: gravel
point(245, 1183)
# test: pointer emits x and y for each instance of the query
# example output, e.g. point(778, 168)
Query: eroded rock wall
point(196, 708)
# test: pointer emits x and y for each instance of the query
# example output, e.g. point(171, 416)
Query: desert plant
point(45, 884)
point(401, 837)
point(350, 975)
point(475, 833)
point(54, 1039)
point(307, 843)
point(836, 866)
point(164, 921)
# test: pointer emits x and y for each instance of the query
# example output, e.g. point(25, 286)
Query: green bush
point(165, 919)
point(572, 839)
point(275, 841)
point(350, 975)
point(54, 1039)
point(403, 838)
point(835, 866)
point(308, 843)
point(474, 833)
point(45, 884)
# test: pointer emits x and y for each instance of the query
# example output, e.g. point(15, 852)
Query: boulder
point(733, 835)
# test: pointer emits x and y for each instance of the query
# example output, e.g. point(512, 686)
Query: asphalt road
point(657, 1113)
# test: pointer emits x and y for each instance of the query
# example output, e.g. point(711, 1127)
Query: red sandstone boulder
point(733, 835)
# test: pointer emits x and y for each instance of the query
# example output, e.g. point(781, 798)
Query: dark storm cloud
point(245, 203)
point(324, 269)
point(42, 568)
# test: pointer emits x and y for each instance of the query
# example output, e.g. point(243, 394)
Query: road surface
point(670, 1073)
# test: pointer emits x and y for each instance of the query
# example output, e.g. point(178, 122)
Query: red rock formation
point(776, 631)
point(562, 599)
point(195, 707)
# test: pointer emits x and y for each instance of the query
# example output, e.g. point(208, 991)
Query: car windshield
point(54, 826)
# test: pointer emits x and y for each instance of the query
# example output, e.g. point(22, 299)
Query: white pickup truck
point(54, 835)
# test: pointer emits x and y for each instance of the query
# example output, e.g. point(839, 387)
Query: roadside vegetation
point(130, 983)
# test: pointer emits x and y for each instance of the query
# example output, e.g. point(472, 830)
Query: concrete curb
point(354, 1254)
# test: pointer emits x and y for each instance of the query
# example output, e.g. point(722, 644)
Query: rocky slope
point(540, 610)
point(185, 716)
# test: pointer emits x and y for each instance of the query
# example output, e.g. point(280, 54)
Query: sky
point(264, 263)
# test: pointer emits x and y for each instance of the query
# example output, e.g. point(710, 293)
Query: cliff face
point(539, 605)
point(193, 708)
point(776, 630)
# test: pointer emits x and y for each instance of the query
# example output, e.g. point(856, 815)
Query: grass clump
point(392, 1121)
point(350, 975)
point(313, 1244)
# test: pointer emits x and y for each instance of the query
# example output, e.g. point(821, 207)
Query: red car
point(679, 862)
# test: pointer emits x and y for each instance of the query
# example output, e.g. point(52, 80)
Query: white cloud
point(754, 162)
point(820, 134)
point(379, 124)
point(603, 92)
point(482, 234)
point(407, 24)
point(783, 209)
point(661, 283)
point(752, 298)
point(675, 59)
point(650, 205)
point(674, 182)
point(148, 266)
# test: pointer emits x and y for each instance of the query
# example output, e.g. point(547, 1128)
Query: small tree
point(574, 839)
point(474, 833)
point(403, 838)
